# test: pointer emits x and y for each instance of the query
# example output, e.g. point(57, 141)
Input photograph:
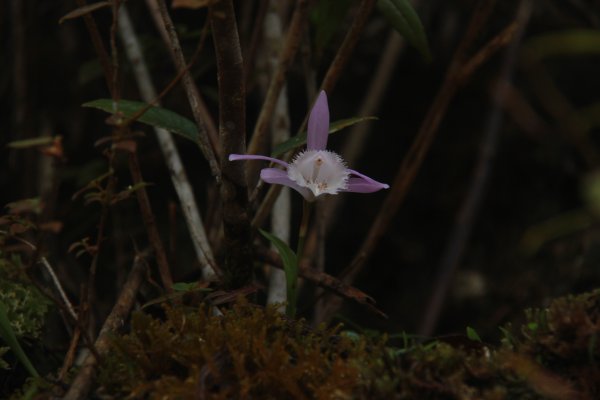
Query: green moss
point(26, 307)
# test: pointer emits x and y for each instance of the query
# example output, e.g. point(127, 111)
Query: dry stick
point(167, 144)
point(307, 271)
point(51, 272)
point(355, 143)
point(290, 48)
point(413, 160)
point(209, 123)
point(105, 61)
point(280, 128)
point(116, 95)
point(524, 115)
point(110, 186)
point(250, 51)
point(348, 45)
point(463, 225)
point(555, 103)
point(83, 381)
point(354, 146)
point(238, 267)
point(329, 82)
point(150, 221)
point(196, 103)
point(70, 356)
point(89, 291)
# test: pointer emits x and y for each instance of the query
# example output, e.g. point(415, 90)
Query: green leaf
point(472, 334)
point(9, 337)
point(300, 139)
point(403, 18)
point(566, 43)
point(154, 116)
point(290, 267)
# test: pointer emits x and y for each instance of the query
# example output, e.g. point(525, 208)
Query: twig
point(290, 47)
point(101, 52)
point(523, 114)
point(414, 159)
point(111, 79)
point(323, 280)
point(58, 286)
point(149, 221)
point(115, 92)
point(355, 144)
point(209, 123)
point(171, 154)
point(251, 49)
point(466, 217)
point(353, 147)
point(238, 267)
point(343, 55)
point(89, 291)
point(82, 383)
point(280, 128)
point(329, 81)
point(555, 103)
point(416, 154)
point(196, 103)
point(50, 271)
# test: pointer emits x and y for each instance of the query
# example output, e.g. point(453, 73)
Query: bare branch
point(82, 383)
point(191, 91)
point(238, 267)
point(468, 212)
point(171, 154)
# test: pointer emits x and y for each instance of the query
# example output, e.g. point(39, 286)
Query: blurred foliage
point(26, 305)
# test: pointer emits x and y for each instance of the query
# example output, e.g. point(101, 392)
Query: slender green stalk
point(293, 280)
point(307, 207)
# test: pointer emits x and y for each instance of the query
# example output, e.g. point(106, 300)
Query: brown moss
point(249, 352)
point(254, 352)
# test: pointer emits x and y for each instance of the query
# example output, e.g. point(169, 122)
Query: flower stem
point(292, 273)
point(307, 207)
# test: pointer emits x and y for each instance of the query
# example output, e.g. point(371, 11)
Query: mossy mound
point(248, 352)
point(251, 352)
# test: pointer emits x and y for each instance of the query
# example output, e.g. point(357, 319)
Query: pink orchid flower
point(316, 170)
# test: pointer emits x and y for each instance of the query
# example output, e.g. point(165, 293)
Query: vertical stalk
point(238, 266)
point(292, 271)
point(307, 207)
point(150, 223)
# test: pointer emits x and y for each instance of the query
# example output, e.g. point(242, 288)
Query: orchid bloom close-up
point(316, 170)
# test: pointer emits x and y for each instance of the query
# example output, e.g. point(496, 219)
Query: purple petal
point(235, 157)
point(280, 177)
point(363, 184)
point(318, 124)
